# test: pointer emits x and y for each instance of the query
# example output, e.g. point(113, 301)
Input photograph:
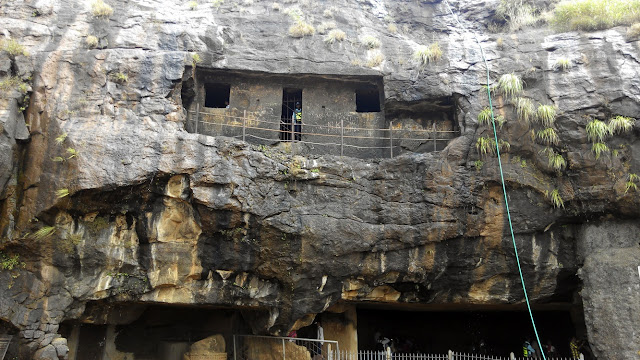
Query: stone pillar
point(340, 323)
point(611, 288)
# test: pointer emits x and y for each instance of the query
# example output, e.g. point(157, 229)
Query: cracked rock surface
point(158, 215)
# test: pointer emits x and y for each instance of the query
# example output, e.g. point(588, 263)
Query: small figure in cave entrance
point(296, 119)
point(317, 354)
point(549, 349)
point(527, 349)
point(575, 345)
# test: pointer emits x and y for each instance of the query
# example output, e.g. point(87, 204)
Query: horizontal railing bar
point(317, 134)
point(321, 126)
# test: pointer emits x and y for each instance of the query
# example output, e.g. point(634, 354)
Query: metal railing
point(247, 126)
point(5, 340)
point(255, 347)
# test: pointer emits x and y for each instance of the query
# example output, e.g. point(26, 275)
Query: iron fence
point(335, 135)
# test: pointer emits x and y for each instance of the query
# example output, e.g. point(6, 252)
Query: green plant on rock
point(478, 164)
point(72, 153)
point(597, 130)
point(524, 109)
point(620, 124)
point(556, 161)
point(562, 64)
point(60, 139)
point(632, 181)
point(556, 199)
point(546, 115)
point(595, 14)
point(44, 232)
point(548, 136)
point(428, 54)
point(120, 77)
point(60, 193)
point(13, 48)
point(58, 159)
point(10, 262)
point(100, 9)
point(599, 149)
point(217, 3)
point(375, 58)
point(485, 145)
point(484, 117)
point(500, 120)
point(192, 5)
point(633, 31)
point(504, 145)
point(195, 59)
point(510, 85)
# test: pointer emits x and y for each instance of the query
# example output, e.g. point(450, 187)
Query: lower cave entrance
point(135, 331)
point(501, 330)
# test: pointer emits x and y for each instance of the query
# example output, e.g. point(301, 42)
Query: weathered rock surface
point(158, 215)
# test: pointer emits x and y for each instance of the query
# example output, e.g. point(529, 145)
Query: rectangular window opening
point(367, 100)
point(290, 97)
point(216, 95)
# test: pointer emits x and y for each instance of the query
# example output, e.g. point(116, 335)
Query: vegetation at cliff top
point(595, 14)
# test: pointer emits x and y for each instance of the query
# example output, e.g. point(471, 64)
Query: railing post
point(391, 137)
point(284, 356)
point(450, 355)
point(293, 126)
point(341, 136)
point(581, 356)
point(234, 348)
point(244, 125)
point(512, 356)
point(435, 136)
point(197, 116)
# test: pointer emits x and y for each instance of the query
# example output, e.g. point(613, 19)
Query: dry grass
point(326, 26)
point(100, 9)
point(428, 54)
point(370, 41)
point(633, 31)
point(393, 28)
point(335, 35)
point(301, 29)
point(375, 59)
point(91, 41)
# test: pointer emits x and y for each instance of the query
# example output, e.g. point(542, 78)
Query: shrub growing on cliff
point(546, 115)
point(517, 14)
point(428, 54)
point(100, 9)
point(556, 199)
point(599, 149)
point(44, 232)
point(13, 48)
point(633, 31)
point(597, 130)
point(524, 109)
point(375, 58)
point(620, 124)
point(510, 85)
point(632, 179)
point(485, 145)
point(484, 117)
point(548, 136)
point(595, 14)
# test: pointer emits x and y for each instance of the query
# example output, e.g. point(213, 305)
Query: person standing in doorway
point(296, 120)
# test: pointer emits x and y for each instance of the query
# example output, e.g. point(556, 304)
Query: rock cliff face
point(106, 197)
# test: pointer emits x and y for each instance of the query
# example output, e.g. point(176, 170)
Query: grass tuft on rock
point(599, 149)
point(12, 47)
point(370, 41)
point(301, 29)
point(428, 54)
point(100, 9)
point(524, 109)
point(548, 136)
point(335, 35)
point(510, 85)
point(546, 115)
point(562, 64)
point(620, 124)
point(597, 130)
